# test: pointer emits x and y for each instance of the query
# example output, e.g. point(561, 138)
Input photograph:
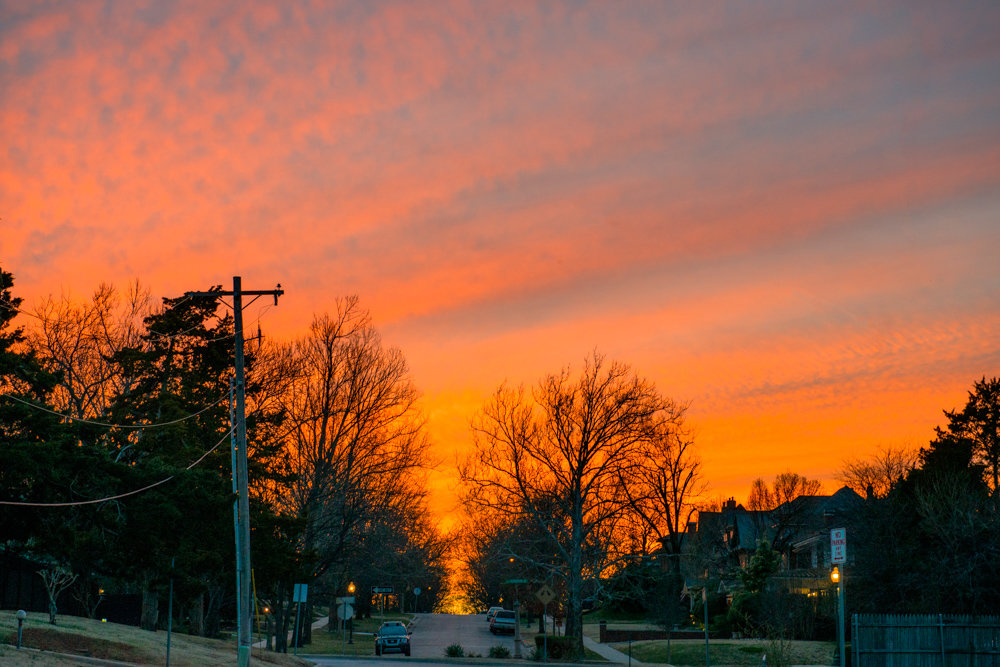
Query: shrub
point(559, 647)
point(499, 652)
point(455, 651)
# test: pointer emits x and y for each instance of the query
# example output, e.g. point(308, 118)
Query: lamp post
point(21, 615)
point(350, 621)
point(835, 577)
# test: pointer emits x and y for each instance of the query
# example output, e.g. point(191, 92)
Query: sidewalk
point(608, 653)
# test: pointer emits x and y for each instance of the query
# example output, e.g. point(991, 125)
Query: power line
point(120, 495)
point(97, 423)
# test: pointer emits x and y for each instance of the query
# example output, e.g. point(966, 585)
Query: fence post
point(941, 636)
point(855, 649)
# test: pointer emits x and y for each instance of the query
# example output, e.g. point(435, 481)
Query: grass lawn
point(109, 641)
point(732, 652)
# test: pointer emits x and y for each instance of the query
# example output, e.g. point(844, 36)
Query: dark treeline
point(101, 398)
point(587, 483)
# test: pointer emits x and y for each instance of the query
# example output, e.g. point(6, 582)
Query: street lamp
point(835, 577)
point(21, 615)
point(350, 621)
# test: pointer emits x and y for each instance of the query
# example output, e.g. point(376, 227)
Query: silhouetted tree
point(978, 425)
point(877, 474)
point(353, 439)
point(561, 457)
point(931, 545)
point(663, 495)
point(777, 515)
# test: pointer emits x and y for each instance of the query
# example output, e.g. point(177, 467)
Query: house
point(799, 530)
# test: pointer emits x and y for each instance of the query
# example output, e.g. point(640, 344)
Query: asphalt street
point(433, 633)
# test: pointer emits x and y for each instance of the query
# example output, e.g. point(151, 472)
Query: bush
point(499, 652)
point(455, 651)
point(559, 647)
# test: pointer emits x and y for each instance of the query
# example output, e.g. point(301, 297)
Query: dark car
point(392, 637)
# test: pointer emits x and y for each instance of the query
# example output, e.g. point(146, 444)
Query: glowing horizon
point(783, 214)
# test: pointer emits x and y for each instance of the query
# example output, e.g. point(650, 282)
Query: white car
point(491, 612)
point(503, 621)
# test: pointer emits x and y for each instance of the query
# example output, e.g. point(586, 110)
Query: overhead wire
point(81, 420)
point(9, 306)
point(120, 495)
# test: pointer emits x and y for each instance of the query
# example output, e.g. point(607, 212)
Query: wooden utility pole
point(240, 474)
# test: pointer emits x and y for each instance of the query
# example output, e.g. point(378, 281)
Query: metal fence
point(928, 640)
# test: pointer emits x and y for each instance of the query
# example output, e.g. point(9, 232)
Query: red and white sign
point(838, 546)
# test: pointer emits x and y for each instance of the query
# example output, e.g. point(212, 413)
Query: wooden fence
point(929, 640)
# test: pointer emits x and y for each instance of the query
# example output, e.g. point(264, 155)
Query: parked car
point(491, 612)
point(392, 636)
point(503, 621)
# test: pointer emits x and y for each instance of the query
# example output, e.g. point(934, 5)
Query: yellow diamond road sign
point(545, 594)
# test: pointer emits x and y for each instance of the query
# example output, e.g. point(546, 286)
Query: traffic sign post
point(382, 591)
point(545, 595)
point(345, 612)
point(299, 595)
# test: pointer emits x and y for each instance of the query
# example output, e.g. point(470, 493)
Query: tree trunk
point(305, 622)
point(196, 613)
point(213, 612)
point(150, 608)
point(574, 607)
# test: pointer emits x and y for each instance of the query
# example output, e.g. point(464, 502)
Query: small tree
point(57, 579)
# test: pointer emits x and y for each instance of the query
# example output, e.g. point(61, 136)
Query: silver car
point(392, 636)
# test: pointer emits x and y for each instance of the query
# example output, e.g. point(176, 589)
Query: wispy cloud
point(785, 213)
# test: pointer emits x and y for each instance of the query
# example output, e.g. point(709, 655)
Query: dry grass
point(75, 636)
point(730, 652)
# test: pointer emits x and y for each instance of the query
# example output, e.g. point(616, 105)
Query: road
point(433, 633)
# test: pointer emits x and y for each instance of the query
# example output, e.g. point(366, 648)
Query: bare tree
point(355, 431)
point(562, 457)
point(875, 476)
point(665, 493)
point(56, 579)
point(773, 507)
point(354, 436)
point(79, 342)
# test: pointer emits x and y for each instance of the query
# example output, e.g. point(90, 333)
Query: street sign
point(838, 546)
point(516, 581)
point(345, 610)
point(416, 591)
point(381, 590)
point(300, 593)
point(545, 594)
point(348, 600)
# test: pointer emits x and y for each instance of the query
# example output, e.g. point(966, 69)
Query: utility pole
point(240, 474)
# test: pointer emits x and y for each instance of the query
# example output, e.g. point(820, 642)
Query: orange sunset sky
point(787, 214)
